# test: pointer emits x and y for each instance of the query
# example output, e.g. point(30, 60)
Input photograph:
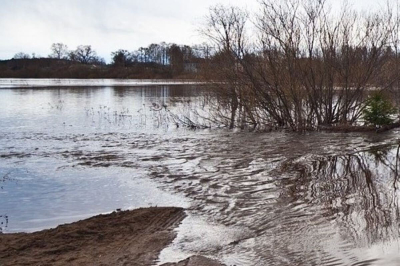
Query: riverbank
point(120, 238)
point(42, 83)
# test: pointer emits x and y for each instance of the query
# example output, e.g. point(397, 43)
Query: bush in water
point(378, 110)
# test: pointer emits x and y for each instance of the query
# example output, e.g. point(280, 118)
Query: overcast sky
point(31, 26)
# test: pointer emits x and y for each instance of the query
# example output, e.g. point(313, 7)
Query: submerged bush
point(378, 110)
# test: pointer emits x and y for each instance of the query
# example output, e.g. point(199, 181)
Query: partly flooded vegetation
point(300, 66)
point(278, 198)
point(254, 147)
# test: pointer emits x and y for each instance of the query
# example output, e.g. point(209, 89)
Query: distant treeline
point(155, 61)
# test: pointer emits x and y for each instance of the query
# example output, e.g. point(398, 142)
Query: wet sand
point(120, 238)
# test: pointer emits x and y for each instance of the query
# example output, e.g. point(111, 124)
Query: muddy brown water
point(252, 198)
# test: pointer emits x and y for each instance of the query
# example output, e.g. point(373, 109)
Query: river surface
point(273, 198)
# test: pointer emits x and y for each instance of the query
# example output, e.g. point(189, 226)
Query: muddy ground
point(120, 238)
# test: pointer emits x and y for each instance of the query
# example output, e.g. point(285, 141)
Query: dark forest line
point(157, 61)
point(61, 68)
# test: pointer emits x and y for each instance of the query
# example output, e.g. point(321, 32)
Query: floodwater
point(273, 198)
point(41, 83)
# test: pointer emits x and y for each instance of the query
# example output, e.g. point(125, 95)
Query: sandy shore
point(120, 238)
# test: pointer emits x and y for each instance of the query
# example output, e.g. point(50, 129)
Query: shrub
point(378, 110)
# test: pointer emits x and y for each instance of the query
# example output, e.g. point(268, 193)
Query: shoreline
point(132, 237)
point(7, 83)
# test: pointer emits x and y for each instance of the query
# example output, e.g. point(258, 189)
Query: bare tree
point(84, 54)
point(59, 51)
point(21, 55)
point(225, 29)
point(309, 68)
point(121, 58)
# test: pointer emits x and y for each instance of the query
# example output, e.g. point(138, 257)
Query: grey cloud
point(33, 25)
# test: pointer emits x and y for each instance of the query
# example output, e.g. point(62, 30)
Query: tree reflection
point(359, 191)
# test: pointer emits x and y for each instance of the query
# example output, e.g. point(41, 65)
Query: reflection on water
point(360, 191)
point(277, 198)
point(81, 109)
point(356, 194)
